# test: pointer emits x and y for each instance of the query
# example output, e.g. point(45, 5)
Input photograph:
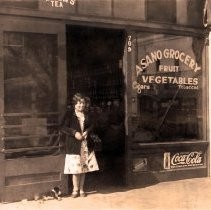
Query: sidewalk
point(190, 194)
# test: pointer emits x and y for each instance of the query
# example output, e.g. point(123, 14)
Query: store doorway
point(94, 68)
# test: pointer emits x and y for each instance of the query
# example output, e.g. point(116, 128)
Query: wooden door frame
point(27, 25)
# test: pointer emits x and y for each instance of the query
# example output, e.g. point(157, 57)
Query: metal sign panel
point(178, 160)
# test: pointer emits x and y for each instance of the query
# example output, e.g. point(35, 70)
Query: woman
point(80, 157)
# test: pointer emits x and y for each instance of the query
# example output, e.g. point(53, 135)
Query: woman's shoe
point(74, 194)
point(82, 194)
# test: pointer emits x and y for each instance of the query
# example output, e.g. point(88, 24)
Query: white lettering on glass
point(156, 55)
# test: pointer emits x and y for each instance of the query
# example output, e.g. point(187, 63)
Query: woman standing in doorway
point(80, 157)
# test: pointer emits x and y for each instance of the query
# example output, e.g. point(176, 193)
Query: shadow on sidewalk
point(104, 183)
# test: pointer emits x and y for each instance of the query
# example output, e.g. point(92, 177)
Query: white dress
point(83, 163)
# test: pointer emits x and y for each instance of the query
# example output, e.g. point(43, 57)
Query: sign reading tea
point(60, 3)
point(165, 73)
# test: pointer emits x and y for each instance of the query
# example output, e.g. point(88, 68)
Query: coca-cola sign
point(183, 159)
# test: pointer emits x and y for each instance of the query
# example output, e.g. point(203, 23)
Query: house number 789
point(129, 44)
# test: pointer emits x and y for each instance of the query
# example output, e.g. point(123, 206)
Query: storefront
point(145, 73)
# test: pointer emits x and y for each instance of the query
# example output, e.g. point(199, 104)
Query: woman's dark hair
point(87, 99)
point(77, 97)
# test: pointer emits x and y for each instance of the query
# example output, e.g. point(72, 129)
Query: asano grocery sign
point(170, 74)
point(167, 54)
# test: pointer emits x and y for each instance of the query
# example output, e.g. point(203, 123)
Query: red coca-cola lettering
point(192, 158)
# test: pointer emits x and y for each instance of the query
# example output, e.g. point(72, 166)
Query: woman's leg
point(76, 181)
point(82, 180)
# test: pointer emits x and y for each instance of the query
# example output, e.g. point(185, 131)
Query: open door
point(33, 93)
point(94, 61)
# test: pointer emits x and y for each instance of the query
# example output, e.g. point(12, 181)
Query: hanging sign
point(167, 74)
point(183, 160)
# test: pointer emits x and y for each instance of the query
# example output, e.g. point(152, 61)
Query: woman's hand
point(85, 134)
point(78, 136)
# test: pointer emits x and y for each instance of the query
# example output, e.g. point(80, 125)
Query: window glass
point(30, 92)
point(30, 72)
point(169, 81)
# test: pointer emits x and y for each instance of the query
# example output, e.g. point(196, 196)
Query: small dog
point(54, 193)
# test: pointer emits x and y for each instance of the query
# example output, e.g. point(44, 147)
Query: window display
point(168, 78)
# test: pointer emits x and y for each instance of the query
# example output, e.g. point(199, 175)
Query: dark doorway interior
point(94, 63)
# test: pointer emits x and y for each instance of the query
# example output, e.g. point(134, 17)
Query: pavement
point(189, 194)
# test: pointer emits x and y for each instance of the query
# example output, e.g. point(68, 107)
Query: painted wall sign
point(183, 160)
point(60, 3)
point(165, 73)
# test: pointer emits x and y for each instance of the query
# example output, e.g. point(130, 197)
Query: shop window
point(30, 89)
point(161, 10)
point(170, 81)
point(30, 64)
